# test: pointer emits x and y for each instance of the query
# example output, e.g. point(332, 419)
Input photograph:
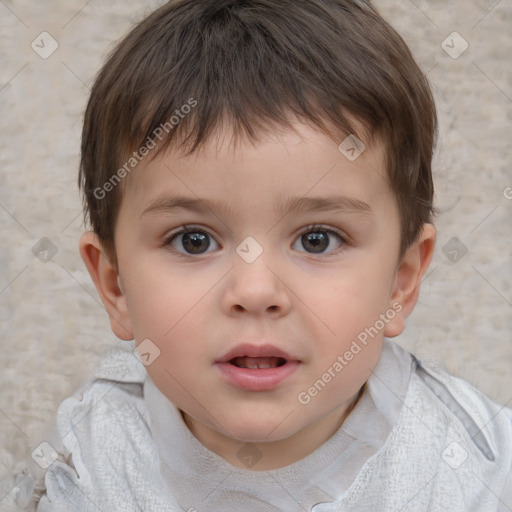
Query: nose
point(257, 289)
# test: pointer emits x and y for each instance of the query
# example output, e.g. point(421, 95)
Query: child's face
point(310, 297)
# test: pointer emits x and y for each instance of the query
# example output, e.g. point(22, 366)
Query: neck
point(272, 454)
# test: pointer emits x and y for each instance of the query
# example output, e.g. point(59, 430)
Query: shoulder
point(113, 398)
point(115, 389)
point(100, 440)
point(458, 399)
point(449, 398)
point(445, 432)
point(480, 430)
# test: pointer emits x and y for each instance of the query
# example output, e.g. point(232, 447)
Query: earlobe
point(409, 274)
point(107, 282)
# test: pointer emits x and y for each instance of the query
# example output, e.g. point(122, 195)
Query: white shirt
point(418, 440)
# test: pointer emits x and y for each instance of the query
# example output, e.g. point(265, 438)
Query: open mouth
point(257, 367)
point(256, 363)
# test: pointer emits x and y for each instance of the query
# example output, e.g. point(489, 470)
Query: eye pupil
point(195, 243)
point(318, 241)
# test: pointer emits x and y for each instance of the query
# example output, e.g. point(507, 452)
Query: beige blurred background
point(53, 327)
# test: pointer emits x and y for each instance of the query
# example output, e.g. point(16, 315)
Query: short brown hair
point(252, 63)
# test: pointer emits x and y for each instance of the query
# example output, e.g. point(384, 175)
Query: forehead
point(299, 162)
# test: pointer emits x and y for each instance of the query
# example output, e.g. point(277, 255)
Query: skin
point(196, 307)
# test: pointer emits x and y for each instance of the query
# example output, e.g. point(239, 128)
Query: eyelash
point(318, 228)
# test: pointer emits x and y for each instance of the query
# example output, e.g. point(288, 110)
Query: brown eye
point(317, 240)
point(195, 243)
point(190, 241)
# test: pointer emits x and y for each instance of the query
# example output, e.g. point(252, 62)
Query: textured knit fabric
point(418, 440)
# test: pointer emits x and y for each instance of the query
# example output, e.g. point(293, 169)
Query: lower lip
point(262, 379)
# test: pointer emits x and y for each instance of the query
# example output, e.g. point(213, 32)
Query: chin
point(261, 428)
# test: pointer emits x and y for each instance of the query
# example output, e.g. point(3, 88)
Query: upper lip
point(250, 350)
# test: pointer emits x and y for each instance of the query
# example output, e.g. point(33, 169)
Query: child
point(258, 178)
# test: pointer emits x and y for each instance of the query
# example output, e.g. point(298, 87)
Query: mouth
point(257, 367)
point(257, 363)
point(248, 355)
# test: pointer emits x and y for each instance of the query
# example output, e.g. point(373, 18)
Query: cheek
point(160, 301)
point(172, 311)
point(354, 301)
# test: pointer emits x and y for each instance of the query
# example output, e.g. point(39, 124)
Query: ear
point(408, 278)
point(106, 280)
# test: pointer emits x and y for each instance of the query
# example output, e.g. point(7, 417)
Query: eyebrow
point(291, 205)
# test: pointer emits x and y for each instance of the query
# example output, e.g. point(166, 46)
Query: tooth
point(256, 363)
